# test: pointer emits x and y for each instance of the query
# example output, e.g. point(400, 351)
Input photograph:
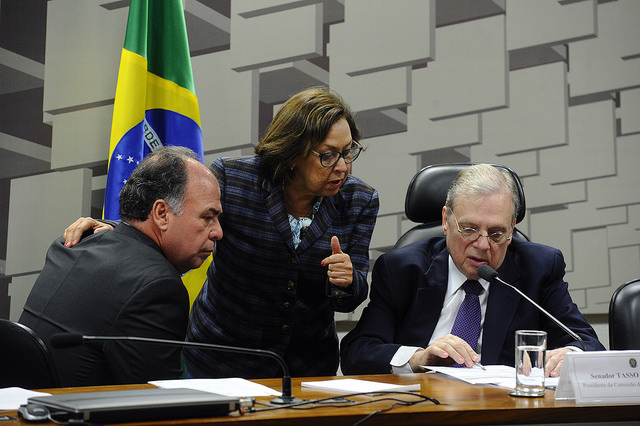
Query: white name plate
point(600, 377)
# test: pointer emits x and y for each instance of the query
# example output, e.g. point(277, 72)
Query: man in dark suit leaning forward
point(416, 290)
point(126, 282)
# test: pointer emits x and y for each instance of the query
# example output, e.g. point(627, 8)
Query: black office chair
point(624, 317)
point(24, 358)
point(427, 194)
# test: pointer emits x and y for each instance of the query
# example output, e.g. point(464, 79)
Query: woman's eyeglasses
point(328, 159)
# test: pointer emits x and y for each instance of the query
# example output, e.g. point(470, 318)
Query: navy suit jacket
point(407, 293)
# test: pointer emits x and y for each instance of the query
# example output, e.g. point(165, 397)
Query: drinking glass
point(531, 351)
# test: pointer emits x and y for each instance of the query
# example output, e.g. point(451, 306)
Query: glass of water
point(531, 351)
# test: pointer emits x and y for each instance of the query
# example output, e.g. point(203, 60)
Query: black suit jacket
point(115, 283)
point(407, 293)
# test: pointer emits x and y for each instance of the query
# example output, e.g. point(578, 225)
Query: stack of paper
point(357, 385)
point(500, 375)
point(12, 398)
point(232, 386)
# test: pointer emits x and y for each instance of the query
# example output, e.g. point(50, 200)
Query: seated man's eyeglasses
point(472, 234)
point(328, 159)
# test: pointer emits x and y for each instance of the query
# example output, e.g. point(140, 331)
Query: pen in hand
point(480, 365)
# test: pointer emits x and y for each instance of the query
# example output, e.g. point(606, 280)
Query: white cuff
point(400, 361)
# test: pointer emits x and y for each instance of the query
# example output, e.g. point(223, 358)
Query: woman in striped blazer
point(297, 227)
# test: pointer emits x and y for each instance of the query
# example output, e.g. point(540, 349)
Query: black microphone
point(66, 340)
point(486, 272)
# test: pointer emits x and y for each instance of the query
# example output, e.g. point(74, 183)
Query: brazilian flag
point(155, 103)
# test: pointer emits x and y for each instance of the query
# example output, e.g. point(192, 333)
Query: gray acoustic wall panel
point(546, 87)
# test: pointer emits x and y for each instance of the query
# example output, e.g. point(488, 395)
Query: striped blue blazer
point(262, 292)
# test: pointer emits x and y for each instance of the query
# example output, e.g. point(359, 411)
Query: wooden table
point(460, 403)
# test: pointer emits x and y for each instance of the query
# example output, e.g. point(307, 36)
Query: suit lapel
point(321, 222)
point(275, 206)
point(429, 300)
point(501, 309)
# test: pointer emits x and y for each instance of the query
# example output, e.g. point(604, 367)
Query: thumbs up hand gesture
point(339, 267)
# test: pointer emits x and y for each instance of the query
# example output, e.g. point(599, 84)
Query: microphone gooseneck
point(66, 340)
point(487, 273)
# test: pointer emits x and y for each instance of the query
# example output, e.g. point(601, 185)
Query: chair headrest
point(428, 189)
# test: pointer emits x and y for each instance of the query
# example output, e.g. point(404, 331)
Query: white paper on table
point(357, 385)
point(499, 375)
point(232, 386)
point(13, 398)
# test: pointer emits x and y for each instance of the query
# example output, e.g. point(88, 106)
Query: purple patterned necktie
point(467, 323)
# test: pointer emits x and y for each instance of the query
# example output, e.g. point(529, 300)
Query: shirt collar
point(456, 279)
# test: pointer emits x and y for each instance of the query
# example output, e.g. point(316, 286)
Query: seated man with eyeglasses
point(418, 290)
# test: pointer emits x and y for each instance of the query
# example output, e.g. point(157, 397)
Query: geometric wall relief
point(629, 111)
point(549, 22)
point(363, 57)
point(84, 42)
point(375, 34)
point(208, 26)
point(266, 39)
point(426, 134)
point(380, 111)
point(610, 61)
point(565, 172)
point(217, 103)
point(618, 201)
point(80, 137)
point(282, 44)
point(584, 277)
point(620, 188)
point(385, 164)
point(549, 88)
point(469, 73)
point(590, 151)
point(605, 215)
point(18, 291)
point(32, 197)
point(624, 263)
point(536, 117)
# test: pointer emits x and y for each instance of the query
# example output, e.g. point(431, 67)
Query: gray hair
point(483, 179)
